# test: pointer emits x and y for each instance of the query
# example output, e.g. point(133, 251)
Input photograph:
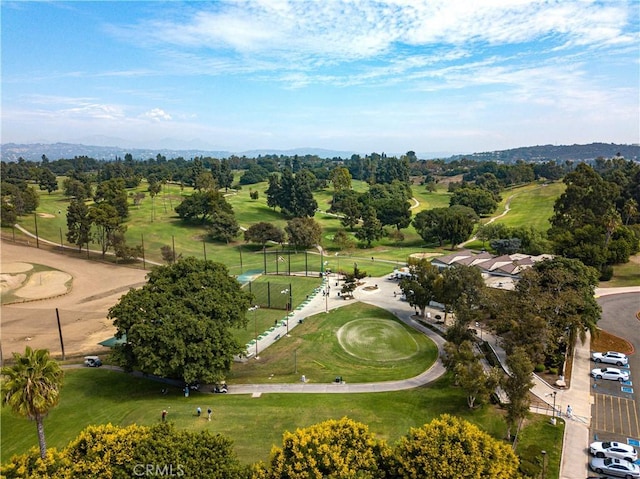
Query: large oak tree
point(179, 324)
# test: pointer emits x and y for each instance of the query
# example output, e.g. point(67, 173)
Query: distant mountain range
point(55, 151)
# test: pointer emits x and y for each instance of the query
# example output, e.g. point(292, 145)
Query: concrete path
point(382, 297)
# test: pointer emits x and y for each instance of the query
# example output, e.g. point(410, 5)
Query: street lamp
point(338, 271)
point(255, 327)
point(553, 418)
point(544, 464)
point(326, 297)
point(286, 291)
point(479, 326)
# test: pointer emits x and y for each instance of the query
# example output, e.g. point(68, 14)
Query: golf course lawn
point(359, 342)
point(100, 396)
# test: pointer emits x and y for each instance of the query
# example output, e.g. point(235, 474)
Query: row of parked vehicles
point(613, 458)
point(613, 374)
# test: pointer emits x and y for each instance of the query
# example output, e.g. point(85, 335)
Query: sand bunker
point(16, 267)
point(23, 283)
point(45, 284)
point(424, 255)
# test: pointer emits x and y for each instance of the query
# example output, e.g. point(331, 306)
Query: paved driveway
point(616, 414)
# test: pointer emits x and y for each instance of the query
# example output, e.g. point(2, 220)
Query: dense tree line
point(600, 229)
point(596, 219)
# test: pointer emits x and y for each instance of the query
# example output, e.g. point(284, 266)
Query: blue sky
point(385, 76)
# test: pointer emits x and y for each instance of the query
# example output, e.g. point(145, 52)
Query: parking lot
point(615, 409)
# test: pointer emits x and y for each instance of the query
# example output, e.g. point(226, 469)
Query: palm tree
point(31, 387)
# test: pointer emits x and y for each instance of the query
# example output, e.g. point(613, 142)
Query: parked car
point(619, 450)
point(92, 361)
point(615, 467)
point(611, 357)
point(612, 374)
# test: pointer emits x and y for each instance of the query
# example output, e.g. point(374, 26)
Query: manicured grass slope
point(314, 350)
point(99, 396)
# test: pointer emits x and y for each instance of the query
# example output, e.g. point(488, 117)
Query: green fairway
point(385, 350)
point(531, 205)
point(153, 223)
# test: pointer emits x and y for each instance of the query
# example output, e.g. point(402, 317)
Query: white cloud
point(347, 43)
point(156, 114)
point(346, 30)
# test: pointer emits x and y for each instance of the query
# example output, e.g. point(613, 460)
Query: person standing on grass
point(209, 414)
point(164, 415)
point(198, 411)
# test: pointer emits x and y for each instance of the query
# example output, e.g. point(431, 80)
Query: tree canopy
point(109, 451)
point(450, 447)
point(178, 325)
point(336, 449)
point(587, 222)
point(453, 224)
point(303, 232)
point(263, 232)
point(420, 288)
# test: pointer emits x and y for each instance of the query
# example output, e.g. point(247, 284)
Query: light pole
point(338, 270)
point(255, 327)
point(553, 418)
point(286, 291)
point(544, 464)
point(479, 326)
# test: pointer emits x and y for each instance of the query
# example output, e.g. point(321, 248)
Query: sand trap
point(10, 282)
point(424, 255)
point(16, 267)
point(45, 284)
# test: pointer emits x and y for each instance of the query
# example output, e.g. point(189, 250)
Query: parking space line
point(636, 422)
point(620, 412)
point(615, 415)
point(610, 409)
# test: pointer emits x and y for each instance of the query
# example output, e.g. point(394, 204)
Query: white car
point(611, 357)
point(619, 450)
point(612, 374)
point(615, 467)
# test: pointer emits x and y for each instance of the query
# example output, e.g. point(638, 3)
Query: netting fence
point(271, 294)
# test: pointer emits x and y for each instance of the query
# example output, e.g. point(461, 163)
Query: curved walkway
point(384, 298)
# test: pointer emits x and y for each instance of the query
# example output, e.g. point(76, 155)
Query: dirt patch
point(605, 341)
point(78, 291)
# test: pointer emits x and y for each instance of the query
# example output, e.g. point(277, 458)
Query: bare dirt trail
point(94, 288)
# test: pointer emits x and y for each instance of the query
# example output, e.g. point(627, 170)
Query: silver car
point(611, 357)
point(615, 467)
point(619, 450)
point(613, 374)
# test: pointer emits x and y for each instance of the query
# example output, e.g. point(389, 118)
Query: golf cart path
point(383, 297)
